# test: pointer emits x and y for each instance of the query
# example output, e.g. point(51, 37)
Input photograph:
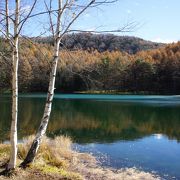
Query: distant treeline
point(102, 42)
point(156, 71)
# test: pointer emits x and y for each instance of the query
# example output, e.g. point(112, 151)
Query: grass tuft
point(62, 172)
point(56, 152)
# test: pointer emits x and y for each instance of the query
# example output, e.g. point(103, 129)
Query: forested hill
point(103, 42)
point(156, 71)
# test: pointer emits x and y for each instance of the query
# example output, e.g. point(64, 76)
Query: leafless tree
point(10, 29)
point(61, 20)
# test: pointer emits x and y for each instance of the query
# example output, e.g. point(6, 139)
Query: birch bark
point(47, 111)
point(48, 106)
point(15, 58)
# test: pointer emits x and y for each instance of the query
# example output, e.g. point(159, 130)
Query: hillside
point(103, 42)
point(155, 71)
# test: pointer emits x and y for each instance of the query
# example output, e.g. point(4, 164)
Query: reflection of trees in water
point(89, 121)
point(108, 121)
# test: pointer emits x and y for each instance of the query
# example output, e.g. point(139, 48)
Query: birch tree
point(68, 12)
point(15, 60)
point(10, 29)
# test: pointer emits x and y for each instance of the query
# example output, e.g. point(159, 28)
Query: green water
point(140, 131)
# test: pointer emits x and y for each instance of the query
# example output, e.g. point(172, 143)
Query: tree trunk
point(13, 135)
point(15, 59)
point(47, 111)
point(44, 122)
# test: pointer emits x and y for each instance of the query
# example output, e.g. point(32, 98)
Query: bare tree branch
point(27, 17)
point(74, 19)
point(49, 9)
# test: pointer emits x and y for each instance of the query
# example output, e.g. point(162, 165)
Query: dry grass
point(55, 152)
point(57, 160)
point(99, 173)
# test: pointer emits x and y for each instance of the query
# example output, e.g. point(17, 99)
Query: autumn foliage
point(153, 71)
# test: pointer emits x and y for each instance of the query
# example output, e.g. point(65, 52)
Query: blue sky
point(158, 20)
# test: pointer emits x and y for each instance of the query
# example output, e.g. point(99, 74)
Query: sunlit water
point(122, 131)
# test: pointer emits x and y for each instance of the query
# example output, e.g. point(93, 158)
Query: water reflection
point(93, 121)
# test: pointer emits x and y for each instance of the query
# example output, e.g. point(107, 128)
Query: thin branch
point(9, 39)
point(7, 19)
point(7, 59)
point(96, 4)
point(129, 27)
point(50, 17)
point(27, 17)
point(69, 25)
point(38, 14)
point(29, 40)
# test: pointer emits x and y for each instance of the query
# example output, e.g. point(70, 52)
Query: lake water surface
point(121, 130)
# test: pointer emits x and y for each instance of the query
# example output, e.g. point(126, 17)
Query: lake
point(121, 130)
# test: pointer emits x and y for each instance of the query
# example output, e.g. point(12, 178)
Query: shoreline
point(93, 92)
point(59, 161)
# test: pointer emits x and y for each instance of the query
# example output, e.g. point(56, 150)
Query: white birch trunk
point(47, 111)
point(13, 133)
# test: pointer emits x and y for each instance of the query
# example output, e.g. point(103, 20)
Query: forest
point(156, 70)
point(102, 42)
